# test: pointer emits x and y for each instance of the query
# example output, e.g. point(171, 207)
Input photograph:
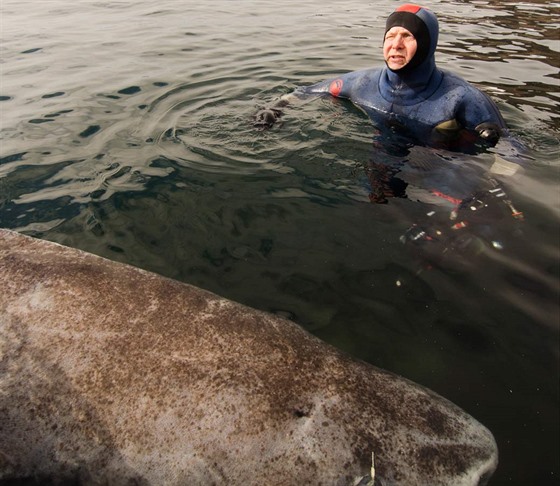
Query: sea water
point(127, 132)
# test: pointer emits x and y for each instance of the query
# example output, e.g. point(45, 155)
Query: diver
point(412, 103)
point(410, 95)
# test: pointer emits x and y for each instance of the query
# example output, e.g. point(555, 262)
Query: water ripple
point(126, 130)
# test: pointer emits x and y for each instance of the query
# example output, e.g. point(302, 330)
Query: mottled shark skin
point(113, 375)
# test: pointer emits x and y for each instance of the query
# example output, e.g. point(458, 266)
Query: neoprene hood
point(423, 25)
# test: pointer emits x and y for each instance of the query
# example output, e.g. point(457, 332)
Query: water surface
point(126, 132)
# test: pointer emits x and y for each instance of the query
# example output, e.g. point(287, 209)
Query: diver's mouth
point(396, 59)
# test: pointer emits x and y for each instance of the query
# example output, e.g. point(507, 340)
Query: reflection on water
point(126, 131)
point(521, 37)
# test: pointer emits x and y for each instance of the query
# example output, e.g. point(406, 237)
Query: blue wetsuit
point(416, 104)
point(421, 101)
point(435, 112)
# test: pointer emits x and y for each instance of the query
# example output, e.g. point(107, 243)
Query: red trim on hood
point(409, 7)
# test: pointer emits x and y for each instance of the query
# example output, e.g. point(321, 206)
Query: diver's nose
point(398, 41)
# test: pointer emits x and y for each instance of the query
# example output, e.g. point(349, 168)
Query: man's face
point(399, 47)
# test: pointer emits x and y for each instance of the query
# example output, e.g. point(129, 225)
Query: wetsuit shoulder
point(472, 106)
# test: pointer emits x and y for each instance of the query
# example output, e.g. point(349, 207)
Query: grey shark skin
point(113, 375)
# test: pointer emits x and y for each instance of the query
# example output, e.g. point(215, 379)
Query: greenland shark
point(110, 374)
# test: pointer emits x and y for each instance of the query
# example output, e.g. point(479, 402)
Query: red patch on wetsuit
point(336, 87)
point(408, 7)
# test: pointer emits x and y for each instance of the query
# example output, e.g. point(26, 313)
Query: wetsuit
point(419, 100)
point(417, 104)
point(435, 113)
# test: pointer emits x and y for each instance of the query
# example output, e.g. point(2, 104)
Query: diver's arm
point(479, 113)
point(266, 117)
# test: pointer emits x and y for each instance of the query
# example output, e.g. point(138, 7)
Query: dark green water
point(126, 132)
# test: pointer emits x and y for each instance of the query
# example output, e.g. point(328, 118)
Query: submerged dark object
point(114, 375)
point(267, 117)
point(477, 223)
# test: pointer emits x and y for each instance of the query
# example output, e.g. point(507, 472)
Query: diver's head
point(411, 35)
